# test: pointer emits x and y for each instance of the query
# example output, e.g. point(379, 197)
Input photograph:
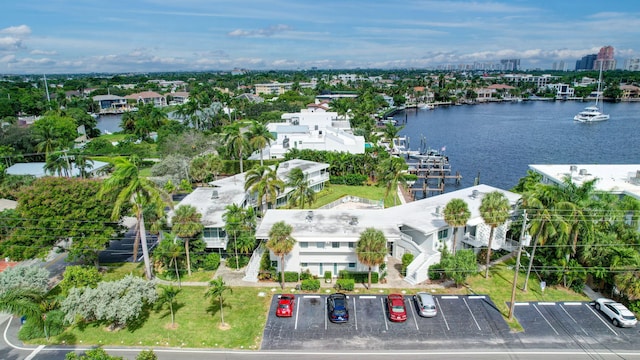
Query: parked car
point(338, 308)
point(286, 304)
point(396, 308)
point(426, 304)
point(618, 313)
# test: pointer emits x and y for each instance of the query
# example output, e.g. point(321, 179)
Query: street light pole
point(517, 269)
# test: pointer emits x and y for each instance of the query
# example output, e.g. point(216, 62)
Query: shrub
point(349, 179)
point(310, 285)
point(360, 276)
point(407, 258)
point(147, 355)
point(345, 284)
point(54, 323)
point(211, 261)
point(265, 262)
point(436, 272)
point(79, 276)
point(306, 275)
point(289, 276)
point(24, 276)
point(242, 262)
point(327, 275)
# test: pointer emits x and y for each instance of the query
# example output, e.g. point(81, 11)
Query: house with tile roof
point(148, 97)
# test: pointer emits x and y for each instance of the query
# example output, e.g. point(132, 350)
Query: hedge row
point(359, 277)
point(345, 284)
point(310, 284)
point(349, 179)
point(289, 276)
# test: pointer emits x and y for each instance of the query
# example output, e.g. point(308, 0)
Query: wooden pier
point(434, 174)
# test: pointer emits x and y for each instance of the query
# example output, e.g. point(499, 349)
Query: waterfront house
point(630, 92)
point(148, 97)
point(326, 238)
point(211, 201)
point(111, 104)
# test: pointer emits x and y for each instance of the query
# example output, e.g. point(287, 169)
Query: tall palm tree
point(390, 133)
point(259, 137)
point(494, 209)
point(186, 224)
point(392, 172)
point(281, 243)
point(57, 163)
point(301, 192)
point(264, 181)
point(83, 164)
point(47, 138)
point(232, 218)
point(217, 288)
point(137, 190)
point(456, 214)
point(371, 249)
point(236, 142)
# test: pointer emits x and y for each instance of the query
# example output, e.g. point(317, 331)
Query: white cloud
point(19, 31)
point(43, 52)
point(266, 32)
point(8, 43)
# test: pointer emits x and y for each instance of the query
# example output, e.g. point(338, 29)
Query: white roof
point(421, 215)
point(616, 179)
point(7, 204)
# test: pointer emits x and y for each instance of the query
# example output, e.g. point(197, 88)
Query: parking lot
point(463, 322)
point(579, 321)
point(473, 318)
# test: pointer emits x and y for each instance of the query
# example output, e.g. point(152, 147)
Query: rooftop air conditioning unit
point(583, 172)
point(438, 210)
point(214, 194)
point(353, 221)
point(475, 193)
point(573, 168)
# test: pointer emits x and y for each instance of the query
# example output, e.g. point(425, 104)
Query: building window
point(335, 244)
point(274, 263)
point(443, 234)
point(304, 245)
point(352, 245)
point(304, 264)
point(320, 245)
point(352, 265)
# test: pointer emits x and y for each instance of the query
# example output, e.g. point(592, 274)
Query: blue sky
point(80, 36)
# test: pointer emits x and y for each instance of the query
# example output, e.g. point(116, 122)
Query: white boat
point(427, 106)
point(593, 113)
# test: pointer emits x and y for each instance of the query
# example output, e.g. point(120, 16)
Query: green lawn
point(334, 192)
point(197, 324)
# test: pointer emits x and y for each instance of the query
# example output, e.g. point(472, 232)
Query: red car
point(286, 302)
point(397, 310)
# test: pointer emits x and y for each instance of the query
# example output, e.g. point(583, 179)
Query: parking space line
point(471, 312)
point(367, 297)
point(311, 296)
point(574, 320)
point(521, 304)
point(355, 316)
point(547, 303)
point(476, 296)
point(572, 303)
point(326, 314)
point(442, 312)
point(295, 326)
point(449, 297)
point(600, 318)
point(384, 312)
point(413, 312)
point(545, 319)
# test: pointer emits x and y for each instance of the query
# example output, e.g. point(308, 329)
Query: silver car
point(618, 313)
point(426, 304)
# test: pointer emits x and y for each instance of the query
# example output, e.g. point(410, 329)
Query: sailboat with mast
point(593, 113)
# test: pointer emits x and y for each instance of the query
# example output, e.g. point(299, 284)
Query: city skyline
point(196, 35)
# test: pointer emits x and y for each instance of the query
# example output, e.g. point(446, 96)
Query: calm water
point(500, 140)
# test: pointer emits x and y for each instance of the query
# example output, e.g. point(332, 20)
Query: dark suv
point(337, 308)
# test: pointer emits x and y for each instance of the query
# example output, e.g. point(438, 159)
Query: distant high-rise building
point(632, 64)
point(586, 63)
point(559, 66)
point(605, 56)
point(510, 64)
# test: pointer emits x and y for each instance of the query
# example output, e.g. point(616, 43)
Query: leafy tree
point(371, 249)
point(459, 266)
point(281, 243)
point(456, 214)
point(301, 192)
point(174, 166)
point(79, 276)
point(114, 302)
point(264, 181)
point(186, 225)
point(131, 188)
point(55, 209)
point(393, 171)
point(217, 289)
point(236, 142)
point(168, 297)
point(494, 209)
point(168, 252)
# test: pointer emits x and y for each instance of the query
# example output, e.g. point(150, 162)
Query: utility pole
point(517, 269)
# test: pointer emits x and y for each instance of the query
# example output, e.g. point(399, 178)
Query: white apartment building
point(277, 88)
point(326, 238)
point(562, 90)
point(632, 64)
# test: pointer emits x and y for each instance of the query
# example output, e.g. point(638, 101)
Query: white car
point(618, 313)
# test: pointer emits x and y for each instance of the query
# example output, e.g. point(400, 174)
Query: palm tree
point(301, 192)
point(236, 142)
point(83, 163)
point(232, 218)
point(371, 249)
point(264, 181)
point(57, 163)
point(186, 224)
point(137, 190)
point(47, 138)
point(168, 296)
point(456, 214)
point(494, 209)
point(281, 243)
point(390, 133)
point(259, 137)
point(392, 172)
point(22, 302)
point(217, 288)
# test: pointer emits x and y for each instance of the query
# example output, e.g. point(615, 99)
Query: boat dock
point(434, 172)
